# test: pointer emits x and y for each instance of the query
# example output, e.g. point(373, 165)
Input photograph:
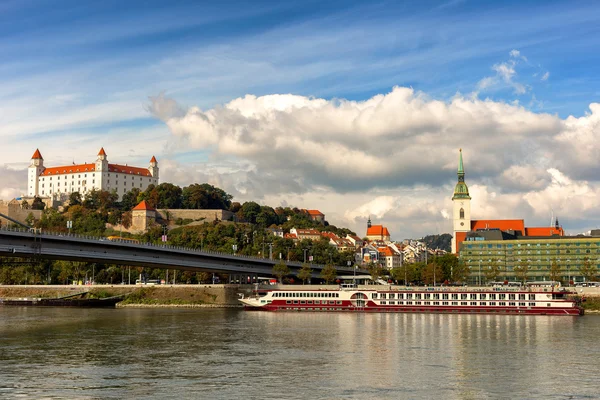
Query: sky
point(357, 109)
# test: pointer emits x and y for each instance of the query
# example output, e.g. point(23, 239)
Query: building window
point(462, 213)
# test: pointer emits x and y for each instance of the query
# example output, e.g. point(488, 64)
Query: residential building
point(389, 258)
point(302, 234)
point(315, 215)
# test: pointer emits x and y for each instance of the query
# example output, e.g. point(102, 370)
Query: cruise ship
point(502, 301)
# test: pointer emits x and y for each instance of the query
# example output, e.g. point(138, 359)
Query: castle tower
point(36, 167)
point(153, 168)
point(461, 206)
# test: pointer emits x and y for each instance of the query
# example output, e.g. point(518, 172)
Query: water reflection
point(171, 353)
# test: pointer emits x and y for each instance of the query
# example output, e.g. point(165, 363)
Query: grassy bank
point(162, 295)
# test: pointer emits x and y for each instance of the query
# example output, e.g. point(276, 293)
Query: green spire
point(461, 191)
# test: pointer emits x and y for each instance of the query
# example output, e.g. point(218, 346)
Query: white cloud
point(12, 182)
point(545, 76)
point(392, 156)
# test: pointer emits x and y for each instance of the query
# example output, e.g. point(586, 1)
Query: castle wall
point(208, 215)
point(13, 210)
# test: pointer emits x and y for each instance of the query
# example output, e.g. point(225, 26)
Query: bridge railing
point(41, 233)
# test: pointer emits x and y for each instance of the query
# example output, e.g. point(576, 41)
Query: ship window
point(547, 304)
point(512, 303)
point(522, 304)
point(531, 304)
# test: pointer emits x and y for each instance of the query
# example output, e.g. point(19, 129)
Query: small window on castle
point(462, 213)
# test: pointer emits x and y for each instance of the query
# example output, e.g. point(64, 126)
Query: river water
point(58, 353)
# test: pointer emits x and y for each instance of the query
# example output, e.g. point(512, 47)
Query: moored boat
point(418, 300)
point(62, 302)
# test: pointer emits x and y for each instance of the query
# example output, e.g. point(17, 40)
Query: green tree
point(588, 270)
point(130, 199)
point(447, 263)
point(25, 205)
point(461, 272)
point(37, 204)
point(249, 211)
point(329, 273)
point(555, 271)
point(75, 199)
point(432, 273)
point(522, 271)
point(375, 270)
point(30, 219)
point(205, 196)
point(305, 273)
point(169, 196)
point(403, 273)
point(280, 270)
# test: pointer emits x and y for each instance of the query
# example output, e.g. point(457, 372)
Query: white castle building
point(59, 182)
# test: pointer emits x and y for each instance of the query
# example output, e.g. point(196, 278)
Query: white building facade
point(60, 182)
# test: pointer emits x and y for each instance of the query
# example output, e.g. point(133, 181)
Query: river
point(165, 353)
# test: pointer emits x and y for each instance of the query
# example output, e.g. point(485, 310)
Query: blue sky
point(75, 76)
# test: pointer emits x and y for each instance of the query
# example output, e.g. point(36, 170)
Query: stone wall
point(12, 209)
point(203, 215)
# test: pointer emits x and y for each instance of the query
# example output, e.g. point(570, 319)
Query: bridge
point(23, 243)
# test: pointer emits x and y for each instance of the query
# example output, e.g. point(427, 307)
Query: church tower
point(461, 206)
point(33, 174)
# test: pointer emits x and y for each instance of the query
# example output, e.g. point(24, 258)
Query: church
point(464, 226)
point(59, 182)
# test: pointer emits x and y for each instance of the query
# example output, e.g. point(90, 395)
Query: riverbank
point(139, 295)
point(188, 296)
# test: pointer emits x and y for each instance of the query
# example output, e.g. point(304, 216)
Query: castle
point(59, 182)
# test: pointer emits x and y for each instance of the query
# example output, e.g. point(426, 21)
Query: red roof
point(386, 251)
point(102, 152)
point(126, 169)
point(143, 206)
point(290, 236)
point(378, 230)
point(37, 155)
point(68, 169)
point(71, 169)
point(314, 212)
point(153, 159)
point(544, 231)
point(502, 224)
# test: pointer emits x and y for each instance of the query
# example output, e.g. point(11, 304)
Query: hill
point(442, 241)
